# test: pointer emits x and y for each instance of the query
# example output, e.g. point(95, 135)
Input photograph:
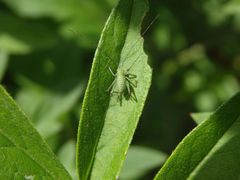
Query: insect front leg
point(111, 72)
point(111, 86)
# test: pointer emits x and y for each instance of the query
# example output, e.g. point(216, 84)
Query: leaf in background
point(23, 153)
point(78, 27)
point(33, 35)
point(218, 12)
point(3, 63)
point(106, 128)
point(51, 88)
point(211, 150)
point(200, 117)
point(58, 9)
point(46, 107)
point(139, 161)
point(67, 157)
point(59, 106)
point(73, 16)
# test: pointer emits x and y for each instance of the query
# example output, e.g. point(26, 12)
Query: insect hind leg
point(132, 82)
point(131, 92)
point(131, 76)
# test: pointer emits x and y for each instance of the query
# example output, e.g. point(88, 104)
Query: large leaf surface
point(23, 153)
point(211, 150)
point(106, 127)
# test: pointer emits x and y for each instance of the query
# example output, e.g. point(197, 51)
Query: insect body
point(125, 82)
point(120, 84)
point(123, 85)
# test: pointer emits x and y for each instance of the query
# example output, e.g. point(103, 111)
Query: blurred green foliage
point(47, 46)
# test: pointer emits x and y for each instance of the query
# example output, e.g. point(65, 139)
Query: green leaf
point(106, 127)
point(46, 107)
point(59, 9)
point(139, 161)
point(3, 63)
point(23, 153)
point(73, 16)
point(34, 35)
point(200, 117)
point(211, 150)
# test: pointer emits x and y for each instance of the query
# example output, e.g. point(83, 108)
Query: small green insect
point(123, 84)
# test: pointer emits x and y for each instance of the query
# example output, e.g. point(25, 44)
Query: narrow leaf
point(211, 150)
point(23, 153)
point(107, 126)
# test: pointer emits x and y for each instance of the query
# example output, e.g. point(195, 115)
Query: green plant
point(24, 154)
point(106, 126)
point(102, 116)
point(210, 151)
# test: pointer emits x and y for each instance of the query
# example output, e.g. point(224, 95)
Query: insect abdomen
point(120, 81)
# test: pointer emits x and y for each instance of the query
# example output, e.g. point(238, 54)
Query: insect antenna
point(128, 53)
point(139, 57)
point(153, 21)
point(136, 42)
point(80, 35)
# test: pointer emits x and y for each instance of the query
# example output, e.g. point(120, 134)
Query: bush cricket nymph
point(125, 83)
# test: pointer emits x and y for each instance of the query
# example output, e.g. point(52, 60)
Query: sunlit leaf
point(107, 126)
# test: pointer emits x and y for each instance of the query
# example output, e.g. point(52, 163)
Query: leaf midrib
point(96, 147)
